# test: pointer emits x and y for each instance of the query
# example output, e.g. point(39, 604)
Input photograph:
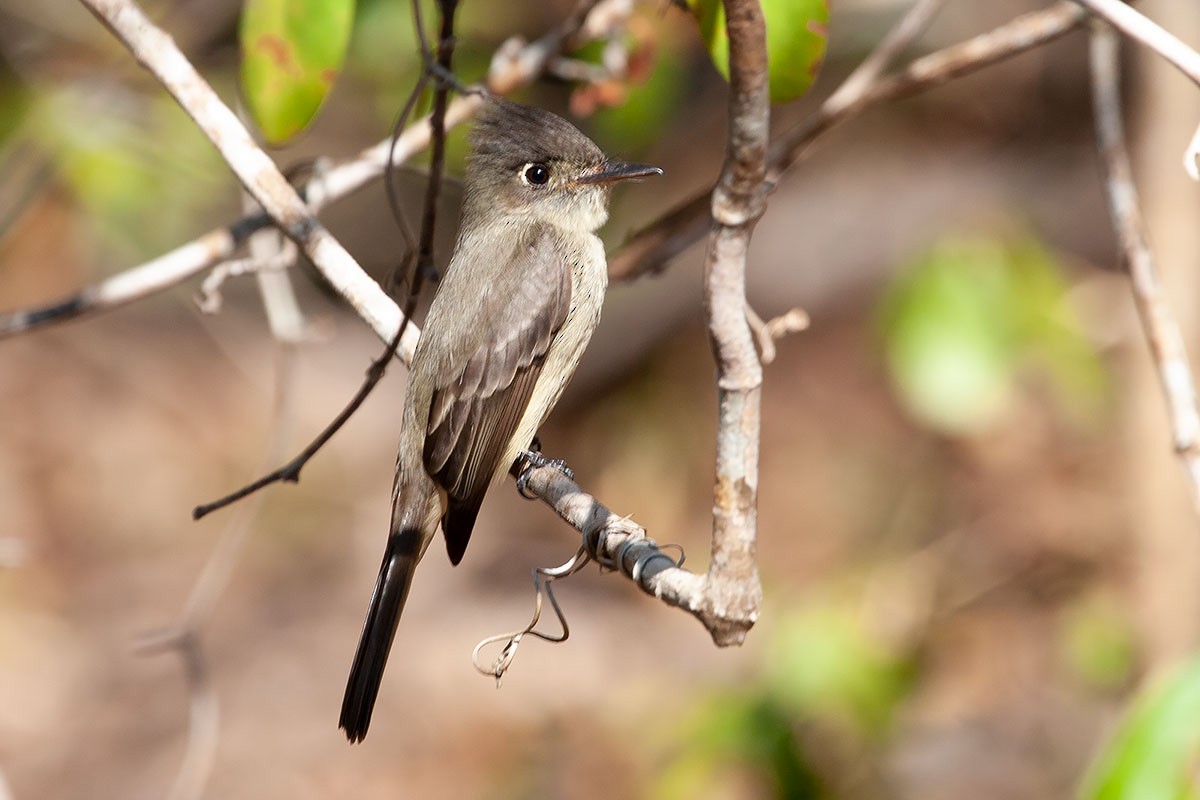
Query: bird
point(505, 332)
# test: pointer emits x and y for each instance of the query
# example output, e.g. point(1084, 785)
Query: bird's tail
point(404, 549)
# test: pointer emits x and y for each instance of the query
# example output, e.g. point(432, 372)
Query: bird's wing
point(475, 409)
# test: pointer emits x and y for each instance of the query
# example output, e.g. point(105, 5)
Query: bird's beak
point(613, 171)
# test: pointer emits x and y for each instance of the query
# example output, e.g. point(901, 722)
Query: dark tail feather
point(391, 590)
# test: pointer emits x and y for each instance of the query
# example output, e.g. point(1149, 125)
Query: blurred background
point(976, 542)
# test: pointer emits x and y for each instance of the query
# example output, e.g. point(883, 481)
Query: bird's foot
point(532, 459)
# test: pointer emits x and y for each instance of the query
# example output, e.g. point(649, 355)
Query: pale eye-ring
point(535, 174)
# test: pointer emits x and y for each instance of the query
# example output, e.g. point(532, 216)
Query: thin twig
point(767, 332)
point(1137, 25)
point(1161, 329)
point(1191, 156)
point(275, 256)
point(867, 73)
point(169, 269)
point(426, 266)
point(651, 248)
point(184, 636)
point(209, 299)
point(204, 724)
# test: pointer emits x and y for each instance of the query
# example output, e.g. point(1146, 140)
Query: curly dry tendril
point(543, 578)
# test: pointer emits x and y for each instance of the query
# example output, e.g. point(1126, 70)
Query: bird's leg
point(532, 459)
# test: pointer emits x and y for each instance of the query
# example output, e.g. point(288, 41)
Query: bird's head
point(526, 162)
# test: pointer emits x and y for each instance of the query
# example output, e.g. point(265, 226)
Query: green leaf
point(1154, 753)
point(969, 319)
point(949, 341)
point(797, 31)
point(125, 169)
point(292, 50)
point(732, 736)
point(824, 664)
point(1099, 641)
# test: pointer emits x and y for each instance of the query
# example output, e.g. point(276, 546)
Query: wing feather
point(475, 410)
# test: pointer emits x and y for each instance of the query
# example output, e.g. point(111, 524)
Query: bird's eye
point(536, 174)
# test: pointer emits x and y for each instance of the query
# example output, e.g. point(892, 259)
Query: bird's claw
point(535, 460)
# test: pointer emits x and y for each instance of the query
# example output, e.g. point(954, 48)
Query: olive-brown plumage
point(504, 334)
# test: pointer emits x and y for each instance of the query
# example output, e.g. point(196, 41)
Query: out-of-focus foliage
point(124, 169)
point(1099, 641)
point(384, 45)
point(14, 104)
point(822, 669)
point(796, 35)
point(734, 734)
point(1154, 753)
point(964, 323)
point(384, 52)
point(823, 663)
point(292, 51)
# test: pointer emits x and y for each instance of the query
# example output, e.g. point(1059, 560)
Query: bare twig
point(1191, 156)
point(1161, 329)
point(733, 593)
point(142, 281)
point(204, 718)
point(652, 247)
point(209, 299)
point(184, 636)
point(1018, 36)
point(766, 333)
point(275, 256)
point(437, 158)
point(1137, 25)
point(866, 74)
point(616, 541)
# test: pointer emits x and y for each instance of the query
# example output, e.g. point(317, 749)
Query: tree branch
point(169, 269)
point(1136, 25)
point(733, 593)
point(1163, 333)
point(621, 544)
point(867, 73)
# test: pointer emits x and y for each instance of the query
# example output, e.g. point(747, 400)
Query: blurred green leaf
point(153, 162)
point(822, 673)
point(823, 664)
point(292, 50)
point(962, 323)
point(384, 44)
point(797, 31)
point(1099, 640)
point(948, 340)
point(748, 735)
point(1154, 754)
